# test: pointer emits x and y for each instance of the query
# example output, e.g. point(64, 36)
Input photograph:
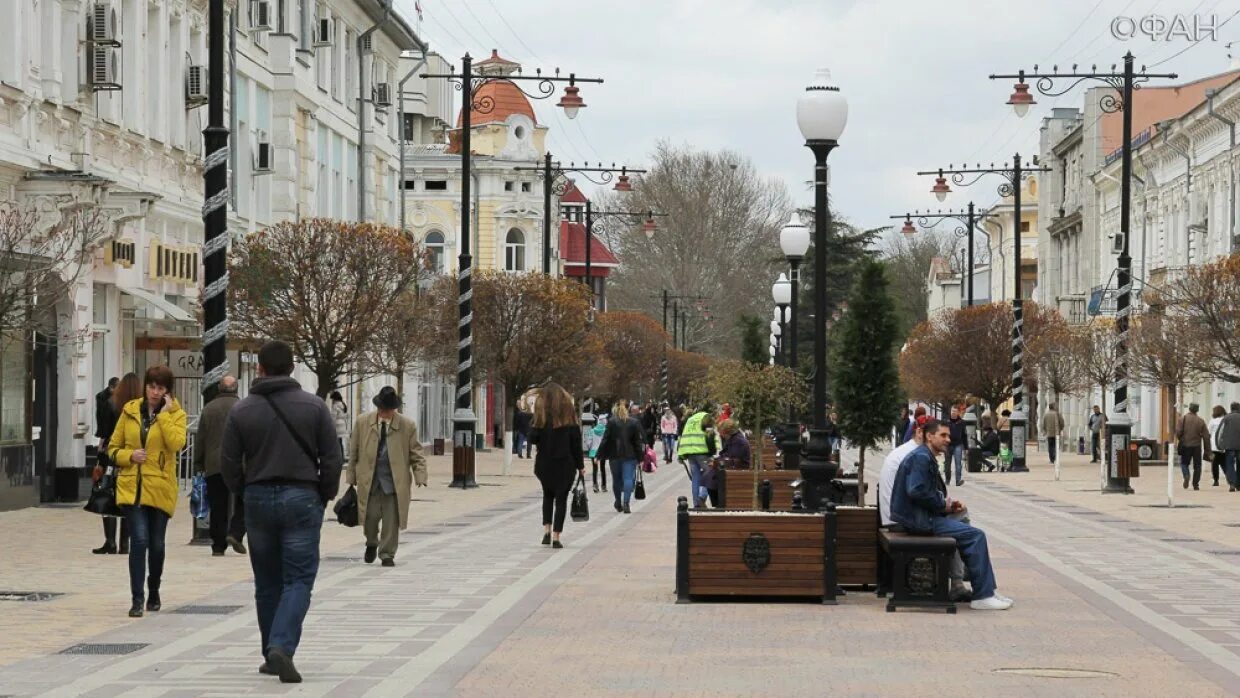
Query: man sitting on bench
point(919, 502)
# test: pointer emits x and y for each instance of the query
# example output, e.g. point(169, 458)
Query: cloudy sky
point(727, 73)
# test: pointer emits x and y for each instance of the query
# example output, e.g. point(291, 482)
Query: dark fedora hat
point(388, 399)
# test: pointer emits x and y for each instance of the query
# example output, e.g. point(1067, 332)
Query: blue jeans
point(623, 477)
point(971, 543)
point(147, 528)
point(957, 456)
point(284, 523)
point(1229, 469)
point(519, 442)
point(669, 445)
point(697, 467)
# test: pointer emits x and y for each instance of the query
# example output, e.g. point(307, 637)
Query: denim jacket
point(918, 494)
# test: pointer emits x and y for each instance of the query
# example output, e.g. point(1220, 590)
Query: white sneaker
point(994, 603)
point(1001, 597)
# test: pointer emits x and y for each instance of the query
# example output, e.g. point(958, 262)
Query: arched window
point(435, 248)
point(514, 250)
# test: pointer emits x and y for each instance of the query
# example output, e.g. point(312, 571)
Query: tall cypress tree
point(864, 377)
point(753, 349)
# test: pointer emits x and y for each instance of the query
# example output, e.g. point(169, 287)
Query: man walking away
point(1052, 426)
point(1097, 421)
point(955, 453)
point(225, 532)
point(280, 446)
point(1229, 442)
point(1191, 433)
point(521, 422)
point(919, 503)
point(385, 460)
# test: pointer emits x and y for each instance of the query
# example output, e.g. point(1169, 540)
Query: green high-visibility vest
point(693, 440)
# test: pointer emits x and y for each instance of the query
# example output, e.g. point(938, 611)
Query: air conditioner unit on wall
point(263, 164)
point(102, 68)
point(383, 95)
point(195, 86)
point(101, 27)
point(325, 34)
point(260, 15)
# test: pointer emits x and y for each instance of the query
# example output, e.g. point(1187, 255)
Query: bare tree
point(401, 340)
point(632, 345)
point(1099, 359)
point(1169, 351)
point(42, 260)
point(1209, 295)
point(324, 286)
point(720, 240)
point(1056, 357)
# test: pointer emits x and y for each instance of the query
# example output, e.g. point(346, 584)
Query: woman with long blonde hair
point(622, 446)
point(559, 461)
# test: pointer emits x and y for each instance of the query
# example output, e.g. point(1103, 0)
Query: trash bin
point(438, 447)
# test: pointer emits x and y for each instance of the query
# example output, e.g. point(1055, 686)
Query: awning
point(157, 301)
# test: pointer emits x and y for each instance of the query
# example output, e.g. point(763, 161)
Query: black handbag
point(102, 499)
point(580, 510)
point(346, 508)
point(639, 488)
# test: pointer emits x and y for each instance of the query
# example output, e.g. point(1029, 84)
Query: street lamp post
point(667, 297)
point(967, 219)
point(1014, 176)
point(794, 241)
point(822, 114)
point(553, 182)
point(469, 83)
point(781, 292)
point(648, 226)
point(215, 213)
point(777, 334)
point(1120, 425)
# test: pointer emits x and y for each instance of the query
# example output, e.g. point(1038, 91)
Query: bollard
point(797, 503)
point(682, 550)
point(764, 495)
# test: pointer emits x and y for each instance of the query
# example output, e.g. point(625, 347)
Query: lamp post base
point(1020, 429)
point(1117, 485)
point(1119, 431)
point(463, 465)
point(789, 442)
point(817, 471)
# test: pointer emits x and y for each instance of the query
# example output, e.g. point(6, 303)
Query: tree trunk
point(861, 477)
point(400, 380)
point(508, 420)
point(326, 376)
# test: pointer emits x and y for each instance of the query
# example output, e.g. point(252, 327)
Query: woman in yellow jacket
point(144, 446)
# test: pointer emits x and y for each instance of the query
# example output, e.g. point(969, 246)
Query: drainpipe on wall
point(232, 108)
point(1231, 171)
point(400, 129)
point(361, 111)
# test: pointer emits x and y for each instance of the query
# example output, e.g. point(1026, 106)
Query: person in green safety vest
point(697, 445)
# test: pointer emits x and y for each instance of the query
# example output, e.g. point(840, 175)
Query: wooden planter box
point(774, 554)
point(737, 487)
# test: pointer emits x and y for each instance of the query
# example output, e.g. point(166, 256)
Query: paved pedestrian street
point(1113, 598)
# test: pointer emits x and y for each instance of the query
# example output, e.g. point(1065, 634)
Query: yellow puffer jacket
point(154, 482)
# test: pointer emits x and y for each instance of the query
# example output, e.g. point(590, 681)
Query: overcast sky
point(727, 73)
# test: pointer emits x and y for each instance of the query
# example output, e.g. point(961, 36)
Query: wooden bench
point(737, 487)
point(916, 570)
point(752, 554)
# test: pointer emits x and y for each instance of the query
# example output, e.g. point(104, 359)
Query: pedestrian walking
point(227, 507)
point(149, 433)
point(598, 464)
point(956, 446)
point(650, 424)
point(1097, 421)
point(560, 461)
point(107, 413)
point(1229, 442)
point(669, 426)
point(623, 445)
point(1217, 456)
point(280, 447)
point(1052, 427)
point(1191, 434)
point(521, 424)
point(696, 452)
point(340, 417)
point(385, 462)
point(902, 425)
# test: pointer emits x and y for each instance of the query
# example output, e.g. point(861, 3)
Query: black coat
point(522, 421)
point(559, 456)
point(105, 414)
point(622, 441)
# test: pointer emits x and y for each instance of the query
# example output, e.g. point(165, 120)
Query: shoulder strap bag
point(305, 448)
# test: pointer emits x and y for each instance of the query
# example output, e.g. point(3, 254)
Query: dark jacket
point(1229, 432)
point(989, 443)
point(736, 449)
point(559, 456)
point(902, 427)
point(956, 428)
point(622, 440)
point(258, 448)
point(919, 494)
point(522, 421)
point(105, 414)
point(211, 433)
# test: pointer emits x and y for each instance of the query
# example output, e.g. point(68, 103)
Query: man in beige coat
point(385, 460)
point(1052, 427)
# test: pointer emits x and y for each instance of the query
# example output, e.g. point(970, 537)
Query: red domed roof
point(504, 99)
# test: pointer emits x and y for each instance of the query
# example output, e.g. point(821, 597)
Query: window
point(13, 384)
point(407, 128)
point(514, 251)
point(434, 245)
point(1024, 226)
point(508, 186)
point(410, 184)
point(437, 185)
point(526, 187)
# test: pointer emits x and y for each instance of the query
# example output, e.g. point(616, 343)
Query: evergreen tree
point(864, 378)
point(753, 349)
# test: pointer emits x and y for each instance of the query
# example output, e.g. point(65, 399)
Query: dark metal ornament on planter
point(756, 552)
